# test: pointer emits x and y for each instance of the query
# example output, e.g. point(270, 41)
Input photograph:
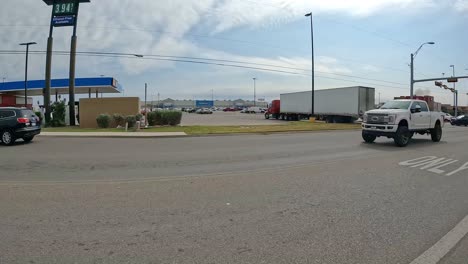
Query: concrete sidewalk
point(114, 134)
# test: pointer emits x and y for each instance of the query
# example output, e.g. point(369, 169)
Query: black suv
point(18, 123)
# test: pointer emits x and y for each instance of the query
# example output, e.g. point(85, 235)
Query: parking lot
point(219, 118)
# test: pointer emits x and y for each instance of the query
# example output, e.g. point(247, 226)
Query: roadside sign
point(452, 80)
point(61, 9)
point(63, 21)
point(204, 103)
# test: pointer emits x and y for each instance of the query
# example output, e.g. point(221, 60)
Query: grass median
point(206, 130)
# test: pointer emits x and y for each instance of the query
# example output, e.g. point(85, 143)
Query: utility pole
point(379, 98)
point(255, 91)
point(26, 72)
point(146, 92)
point(312, 111)
point(71, 87)
point(48, 69)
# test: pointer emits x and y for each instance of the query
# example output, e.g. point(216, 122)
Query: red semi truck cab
point(274, 110)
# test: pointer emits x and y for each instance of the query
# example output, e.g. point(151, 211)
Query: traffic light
point(438, 83)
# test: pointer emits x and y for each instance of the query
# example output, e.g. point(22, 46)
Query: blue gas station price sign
point(63, 21)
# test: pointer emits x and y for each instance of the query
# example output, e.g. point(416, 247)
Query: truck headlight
point(391, 119)
point(364, 118)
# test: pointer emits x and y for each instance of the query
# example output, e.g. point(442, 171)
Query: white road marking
point(417, 160)
point(434, 254)
point(433, 164)
point(436, 169)
point(463, 167)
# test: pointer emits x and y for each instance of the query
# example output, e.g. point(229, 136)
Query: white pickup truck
point(400, 120)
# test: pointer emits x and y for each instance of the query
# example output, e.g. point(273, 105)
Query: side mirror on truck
point(416, 109)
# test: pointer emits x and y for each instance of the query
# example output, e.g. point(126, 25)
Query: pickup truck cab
point(400, 120)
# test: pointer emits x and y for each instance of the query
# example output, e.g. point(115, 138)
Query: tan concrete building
point(90, 108)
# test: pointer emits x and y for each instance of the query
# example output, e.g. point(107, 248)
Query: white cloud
point(246, 13)
point(461, 5)
point(161, 27)
point(370, 68)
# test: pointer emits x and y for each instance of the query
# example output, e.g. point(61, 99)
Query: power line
point(217, 60)
point(194, 61)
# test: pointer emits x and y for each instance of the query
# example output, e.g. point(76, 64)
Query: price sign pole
point(64, 13)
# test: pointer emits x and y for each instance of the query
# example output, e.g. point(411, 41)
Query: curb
point(199, 135)
point(272, 133)
point(110, 136)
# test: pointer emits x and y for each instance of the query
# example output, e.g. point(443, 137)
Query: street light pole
point(413, 55)
point(255, 91)
point(455, 93)
point(313, 62)
point(146, 105)
point(27, 44)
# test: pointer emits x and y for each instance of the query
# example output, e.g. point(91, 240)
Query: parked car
point(18, 123)
point(245, 111)
point(256, 110)
point(190, 110)
point(447, 117)
point(460, 121)
point(204, 111)
point(229, 109)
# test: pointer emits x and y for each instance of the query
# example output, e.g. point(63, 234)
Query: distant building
point(447, 108)
point(174, 103)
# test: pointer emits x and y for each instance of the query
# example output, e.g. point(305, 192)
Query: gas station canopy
point(60, 86)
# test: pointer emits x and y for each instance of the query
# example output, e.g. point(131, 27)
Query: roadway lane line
point(434, 254)
point(172, 178)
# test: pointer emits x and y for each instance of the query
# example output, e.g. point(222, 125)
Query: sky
point(356, 42)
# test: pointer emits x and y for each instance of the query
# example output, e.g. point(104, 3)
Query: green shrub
point(153, 118)
point(131, 120)
point(103, 120)
point(164, 118)
point(58, 112)
point(173, 118)
point(39, 114)
point(119, 120)
point(139, 117)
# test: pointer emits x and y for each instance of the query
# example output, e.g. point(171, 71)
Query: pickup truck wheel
point(7, 137)
point(436, 133)
point(368, 138)
point(402, 136)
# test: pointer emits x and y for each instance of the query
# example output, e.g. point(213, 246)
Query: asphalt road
point(282, 198)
